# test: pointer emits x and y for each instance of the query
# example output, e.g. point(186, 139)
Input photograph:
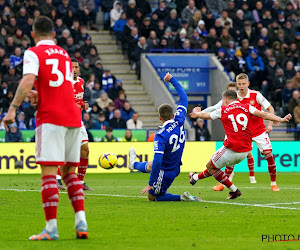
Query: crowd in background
point(260, 38)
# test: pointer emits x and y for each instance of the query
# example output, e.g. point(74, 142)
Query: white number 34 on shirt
point(60, 76)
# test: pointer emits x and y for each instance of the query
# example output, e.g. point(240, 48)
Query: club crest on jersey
point(252, 102)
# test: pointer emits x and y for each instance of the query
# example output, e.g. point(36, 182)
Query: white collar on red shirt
point(247, 95)
point(45, 42)
point(233, 103)
point(77, 80)
point(167, 122)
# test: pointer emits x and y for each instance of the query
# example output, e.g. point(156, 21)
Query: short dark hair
point(230, 94)
point(43, 26)
point(231, 85)
point(74, 60)
point(165, 111)
point(109, 129)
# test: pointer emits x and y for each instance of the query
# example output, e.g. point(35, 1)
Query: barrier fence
point(20, 157)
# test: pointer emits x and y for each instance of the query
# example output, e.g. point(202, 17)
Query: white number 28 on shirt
point(60, 76)
point(238, 120)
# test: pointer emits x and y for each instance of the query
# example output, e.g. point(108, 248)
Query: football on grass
point(108, 160)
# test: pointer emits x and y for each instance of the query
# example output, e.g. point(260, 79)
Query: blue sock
point(168, 197)
point(141, 166)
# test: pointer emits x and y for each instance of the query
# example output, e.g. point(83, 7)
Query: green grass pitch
point(120, 217)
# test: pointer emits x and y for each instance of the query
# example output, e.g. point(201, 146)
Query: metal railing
point(178, 50)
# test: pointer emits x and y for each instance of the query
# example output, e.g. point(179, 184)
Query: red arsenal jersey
point(79, 91)
point(237, 122)
point(256, 100)
point(53, 68)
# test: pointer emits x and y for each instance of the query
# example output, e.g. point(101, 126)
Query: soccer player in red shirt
point(84, 151)
point(48, 67)
point(259, 131)
point(237, 121)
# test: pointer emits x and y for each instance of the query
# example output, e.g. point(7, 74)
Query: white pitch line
point(283, 203)
point(133, 196)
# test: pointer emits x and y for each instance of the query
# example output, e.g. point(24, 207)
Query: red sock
point(271, 165)
point(82, 168)
point(58, 171)
point(50, 196)
point(228, 171)
point(75, 191)
point(250, 162)
point(204, 174)
point(220, 176)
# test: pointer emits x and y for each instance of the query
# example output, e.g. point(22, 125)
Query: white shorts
point(263, 142)
point(83, 135)
point(226, 157)
point(57, 145)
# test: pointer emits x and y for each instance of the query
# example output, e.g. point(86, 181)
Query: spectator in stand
point(195, 40)
point(95, 93)
point(18, 36)
point(101, 123)
point(59, 26)
point(224, 60)
point(269, 76)
point(225, 38)
point(106, 6)
point(173, 21)
point(289, 71)
point(77, 56)
point(296, 80)
point(127, 111)
point(10, 46)
point(188, 12)
point(16, 58)
point(109, 136)
point(109, 112)
point(248, 33)
point(4, 105)
point(115, 13)
point(131, 43)
point(119, 102)
point(277, 51)
point(193, 23)
point(21, 121)
point(224, 18)
point(256, 68)
point(152, 41)
point(63, 8)
point(145, 27)
point(87, 12)
point(103, 101)
point(7, 15)
point(3, 36)
point(75, 31)
point(62, 40)
point(86, 70)
point(258, 12)
point(134, 122)
point(287, 92)
point(294, 101)
point(69, 18)
point(91, 81)
point(86, 47)
point(108, 80)
point(202, 132)
point(180, 38)
point(98, 70)
point(132, 9)
point(113, 92)
point(12, 78)
point(144, 5)
point(93, 56)
point(296, 115)
point(86, 119)
point(13, 134)
point(139, 18)
point(128, 136)
point(117, 122)
point(46, 8)
point(70, 47)
point(162, 11)
point(231, 10)
point(261, 47)
point(94, 113)
point(140, 49)
point(119, 26)
point(154, 21)
point(231, 51)
point(160, 31)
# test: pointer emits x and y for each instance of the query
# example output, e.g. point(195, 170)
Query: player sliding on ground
point(48, 67)
point(169, 143)
point(78, 85)
point(237, 122)
point(250, 161)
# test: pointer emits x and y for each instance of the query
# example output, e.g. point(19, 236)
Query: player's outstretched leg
point(229, 173)
point(186, 196)
point(272, 169)
point(58, 179)
point(250, 162)
point(140, 166)
point(76, 196)
point(84, 162)
point(50, 198)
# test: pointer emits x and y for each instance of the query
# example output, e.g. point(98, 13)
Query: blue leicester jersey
point(170, 141)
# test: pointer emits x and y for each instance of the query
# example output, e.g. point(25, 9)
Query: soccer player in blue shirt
point(169, 143)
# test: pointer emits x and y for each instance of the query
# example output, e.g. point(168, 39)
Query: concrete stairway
point(112, 57)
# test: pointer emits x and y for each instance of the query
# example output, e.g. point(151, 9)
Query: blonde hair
point(242, 76)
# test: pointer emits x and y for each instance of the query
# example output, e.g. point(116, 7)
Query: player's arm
point(213, 108)
point(262, 101)
point(269, 116)
point(22, 92)
point(183, 99)
point(205, 116)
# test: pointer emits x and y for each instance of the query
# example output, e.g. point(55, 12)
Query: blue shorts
point(163, 182)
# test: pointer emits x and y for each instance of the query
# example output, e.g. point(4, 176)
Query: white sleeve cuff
point(31, 63)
